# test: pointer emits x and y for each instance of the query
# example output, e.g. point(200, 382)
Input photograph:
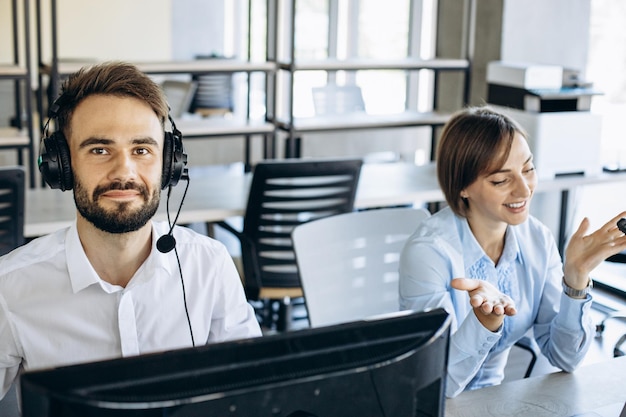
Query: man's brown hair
point(111, 78)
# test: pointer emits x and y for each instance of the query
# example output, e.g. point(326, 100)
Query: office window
point(606, 68)
point(344, 29)
point(312, 41)
point(383, 33)
point(312, 26)
point(245, 34)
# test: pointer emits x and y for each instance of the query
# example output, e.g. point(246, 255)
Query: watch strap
point(574, 293)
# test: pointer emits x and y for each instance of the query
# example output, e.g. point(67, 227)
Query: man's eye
point(98, 151)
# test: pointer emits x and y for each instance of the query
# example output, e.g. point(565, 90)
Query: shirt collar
point(473, 252)
point(82, 274)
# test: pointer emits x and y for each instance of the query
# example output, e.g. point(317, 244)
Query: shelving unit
point(294, 127)
point(193, 128)
point(280, 28)
point(21, 135)
point(205, 128)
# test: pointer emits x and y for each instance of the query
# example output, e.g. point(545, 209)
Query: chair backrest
point(179, 95)
point(348, 264)
point(214, 91)
point(12, 189)
point(337, 99)
point(283, 195)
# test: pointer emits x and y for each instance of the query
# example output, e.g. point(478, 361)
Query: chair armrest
point(251, 270)
point(226, 226)
point(528, 344)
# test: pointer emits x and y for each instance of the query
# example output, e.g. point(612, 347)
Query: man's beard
point(122, 219)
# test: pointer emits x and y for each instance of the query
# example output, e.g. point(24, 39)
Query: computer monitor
point(389, 366)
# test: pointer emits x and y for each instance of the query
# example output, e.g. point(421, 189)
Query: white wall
point(546, 32)
point(6, 32)
point(111, 29)
point(197, 28)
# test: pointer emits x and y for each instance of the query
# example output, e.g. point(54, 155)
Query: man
point(110, 285)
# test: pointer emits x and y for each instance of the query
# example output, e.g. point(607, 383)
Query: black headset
point(56, 168)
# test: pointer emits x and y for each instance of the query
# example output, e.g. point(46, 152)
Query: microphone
point(167, 243)
point(621, 225)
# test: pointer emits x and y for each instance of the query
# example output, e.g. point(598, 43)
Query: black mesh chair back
point(12, 189)
point(283, 195)
point(214, 92)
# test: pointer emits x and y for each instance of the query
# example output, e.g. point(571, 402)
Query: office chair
point(618, 258)
point(528, 344)
point(283, 195)
point(348, 263)
point(180, 95)
point(12, 201)
point(348, 266)
point(214, 95)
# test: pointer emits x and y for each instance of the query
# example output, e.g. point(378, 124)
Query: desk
point(599, 388)
point(214, 197)
point(209, 199)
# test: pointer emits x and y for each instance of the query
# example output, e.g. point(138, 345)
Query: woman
point(491, 265)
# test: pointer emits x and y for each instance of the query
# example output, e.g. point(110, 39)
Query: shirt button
point(490, 338)
point(481, 352)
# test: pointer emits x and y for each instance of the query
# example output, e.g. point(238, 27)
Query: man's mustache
point(101, 189)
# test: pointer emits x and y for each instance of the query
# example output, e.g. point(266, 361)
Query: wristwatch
point(574, 293)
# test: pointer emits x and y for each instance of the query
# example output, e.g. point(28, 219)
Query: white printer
point(563, 134)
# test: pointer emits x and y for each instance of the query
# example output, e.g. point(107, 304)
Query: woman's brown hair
point(475, 141)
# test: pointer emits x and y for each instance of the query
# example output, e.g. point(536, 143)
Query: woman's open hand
point(490, 305)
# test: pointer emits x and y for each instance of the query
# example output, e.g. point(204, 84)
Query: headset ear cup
point(54, 162)
point(67, 177)
point(179, 161)
point(168, 156)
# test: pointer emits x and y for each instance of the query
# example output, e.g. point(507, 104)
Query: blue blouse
point(529, 271)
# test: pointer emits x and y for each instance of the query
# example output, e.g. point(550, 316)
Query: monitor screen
point(393, 365)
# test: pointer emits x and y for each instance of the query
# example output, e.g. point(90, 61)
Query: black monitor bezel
point(349, 347)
